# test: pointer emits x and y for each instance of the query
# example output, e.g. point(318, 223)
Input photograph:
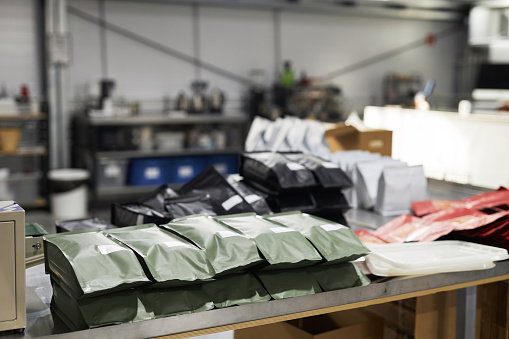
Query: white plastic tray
point(432, 257)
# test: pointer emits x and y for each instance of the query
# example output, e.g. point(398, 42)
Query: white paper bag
point(398, 187)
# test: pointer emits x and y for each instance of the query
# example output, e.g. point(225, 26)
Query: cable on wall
point(102, 33)
point(157, 46)
point(277, 40)
point(197, 42)
point(389, 54)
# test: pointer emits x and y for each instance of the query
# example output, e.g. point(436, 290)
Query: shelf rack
point(88, 151)
point(39, 151)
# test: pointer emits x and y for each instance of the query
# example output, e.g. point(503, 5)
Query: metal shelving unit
point(28, 158)
point(31, 116)
point(165, 153)
point(89, 150)
point(163, 119)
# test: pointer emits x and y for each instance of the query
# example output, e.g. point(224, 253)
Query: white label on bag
point(227, 234)
point(171, 244)
point(185, 171)
point(152, 173)
point(107, 249)
point(281, 229)
point(330, 165)
point(332, 227)
point(232, 202)
point(293, 166)
point(252, 198)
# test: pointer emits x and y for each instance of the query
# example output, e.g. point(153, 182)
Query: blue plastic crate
point(148, 171)
point(224, 164)
point(183, 169)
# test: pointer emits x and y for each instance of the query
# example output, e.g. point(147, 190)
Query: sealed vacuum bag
point(224, 199)
point(257, 202)
point(255, 139)
point(399, 187)
point(195, 202)
point(111, 309)
point(132, 214)
point(335, 242)
point(236, 289)
point(275, 172)
point(291, 283)
point(368, 176)
point(285, 200)
point(87, 263)
point(327, 173)
point(156, 198)
point(127, 306)
point(281, 246)
point(329, 199)
point(168, 259)
point(226, 249)
point(174, 301)
point(336, 277)
point(487, 199)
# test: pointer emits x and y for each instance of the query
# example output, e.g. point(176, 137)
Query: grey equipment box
point(111, 172)
point(12, 266)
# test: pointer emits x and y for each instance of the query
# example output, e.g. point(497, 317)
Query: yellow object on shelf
point(9, 139)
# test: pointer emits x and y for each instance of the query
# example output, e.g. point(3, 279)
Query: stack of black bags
point(297, 181)
point(209, 193)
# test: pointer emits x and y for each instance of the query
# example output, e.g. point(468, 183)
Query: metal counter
point(39, 292)
point(40, 321)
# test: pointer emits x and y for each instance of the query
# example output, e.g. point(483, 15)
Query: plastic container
point(170, 140)
point(23, 188)
point(9, 139)
point(224, 164)
point(183, 169)
point(68, 193)
point(431, 257)
point(111, 172)
point(149, 171)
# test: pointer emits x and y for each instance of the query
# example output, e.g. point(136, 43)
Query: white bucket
point(68, 193)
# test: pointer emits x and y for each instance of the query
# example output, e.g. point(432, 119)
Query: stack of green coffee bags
point(125, 275)
point(194, 264)
point(292, 243)
point(230, 253)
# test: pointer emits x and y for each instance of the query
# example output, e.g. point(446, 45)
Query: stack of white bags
point(381, 183)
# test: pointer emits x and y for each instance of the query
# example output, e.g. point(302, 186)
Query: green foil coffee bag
point(226, 249)
point(169, 260)
point(339, 276)
point(110, 309)
point(335, 242)
point(236, 289)
point(174, 301)
point(282, 247)
point(289, 283)
point(87, 263)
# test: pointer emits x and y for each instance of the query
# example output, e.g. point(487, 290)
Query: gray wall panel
point(18, 47)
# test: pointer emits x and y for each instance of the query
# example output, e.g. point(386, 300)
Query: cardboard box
point(12, 266)
point(341, 137)
point(352, 324)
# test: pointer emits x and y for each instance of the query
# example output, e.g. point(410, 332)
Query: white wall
point(18, 46)
point(463, 149)
point(240, 40)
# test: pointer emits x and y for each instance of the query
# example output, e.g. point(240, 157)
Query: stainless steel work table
point(40, 321)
